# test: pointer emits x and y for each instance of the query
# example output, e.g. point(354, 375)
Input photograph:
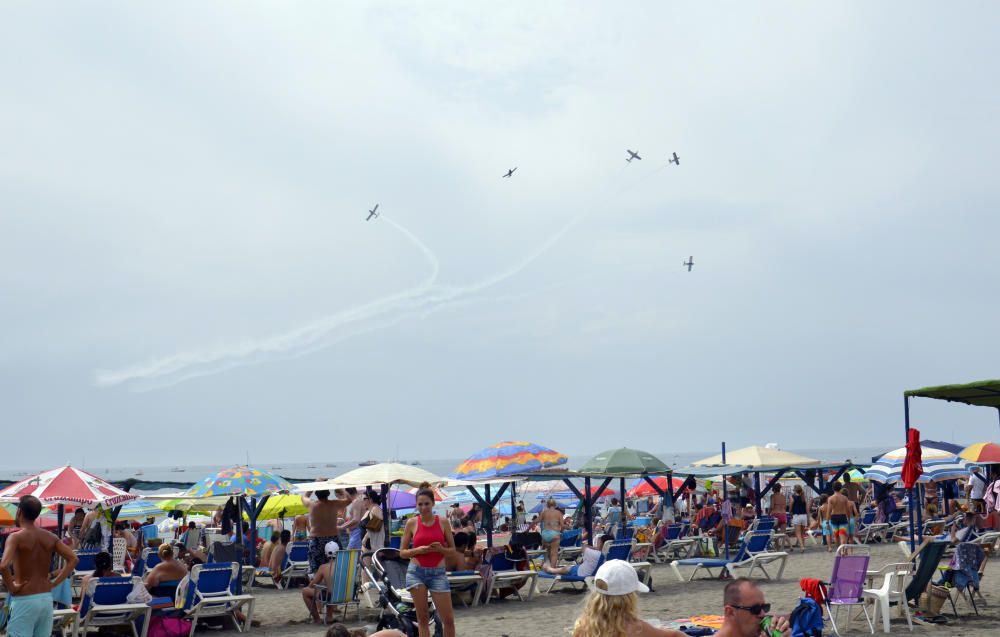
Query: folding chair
point(209, 594)
point(846, 586)
point(344, 582)
point(105, 603)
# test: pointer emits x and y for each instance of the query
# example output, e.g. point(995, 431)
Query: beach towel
point(813, 588)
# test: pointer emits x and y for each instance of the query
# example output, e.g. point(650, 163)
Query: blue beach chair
point(752, 553)
point(570, 578)
point(622, 550)
point(209, 593)
point(105, 603)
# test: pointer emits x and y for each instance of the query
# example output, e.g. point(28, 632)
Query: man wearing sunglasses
point(745, 611)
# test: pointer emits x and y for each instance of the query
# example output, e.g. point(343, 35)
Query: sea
point(310, 471)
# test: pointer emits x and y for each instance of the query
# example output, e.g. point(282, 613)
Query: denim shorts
point(434, 579)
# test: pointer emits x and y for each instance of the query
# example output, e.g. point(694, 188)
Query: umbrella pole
point(513, 509)
point(906, 439)
point(621, 521)
point(756, 488)
point(60, 516)
point(239, 526)
point(725, 496)
point(587, 522)
point(386, 521)
point(488, 514)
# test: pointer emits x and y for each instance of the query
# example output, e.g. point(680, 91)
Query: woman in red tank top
point(426, 539)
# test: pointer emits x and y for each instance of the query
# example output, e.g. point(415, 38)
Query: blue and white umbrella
point(140, 510)
point(938, 465)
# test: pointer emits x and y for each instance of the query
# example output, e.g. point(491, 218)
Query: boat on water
point(139, 472)
point(368, 463)
point(312, 466)
point(177, 470)
point(330, 464)
point(416, 463)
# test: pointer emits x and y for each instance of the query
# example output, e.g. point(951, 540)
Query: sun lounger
point(569, 545)
point(506, 575)
point(105, 603)
point(622, 550)
point(83, 568)
point(752, 554)
point(868, 529)
point(209, 594)
point(676, 543)
point(466, 581)
point(297, 566)
point(572, 580)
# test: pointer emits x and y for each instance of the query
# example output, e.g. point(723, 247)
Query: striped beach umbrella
point(239, 480)
point(68, 485)
point(140, 510)
point(507, 459)
point(982, 453)
point(937, 465)
point(7, 513)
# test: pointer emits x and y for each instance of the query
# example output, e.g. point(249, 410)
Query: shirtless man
point(552, 521)
point(300, 528)
point(30, 552)
point(838, 507)
point(779, 509)
point(323, 514)
point(352, 522)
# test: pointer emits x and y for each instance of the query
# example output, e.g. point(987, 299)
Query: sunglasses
point(756, 609)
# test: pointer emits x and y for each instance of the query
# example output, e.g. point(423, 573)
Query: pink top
point(424, 536)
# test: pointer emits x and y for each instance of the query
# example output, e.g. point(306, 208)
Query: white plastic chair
point(893, 590)
point(119, 548)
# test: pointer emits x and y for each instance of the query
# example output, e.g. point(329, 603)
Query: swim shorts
point(317, 551)
point(30, 616)
point(548, 535)
point(827, 531)
point(851, 526)
point(838, 522)
point(434, 578)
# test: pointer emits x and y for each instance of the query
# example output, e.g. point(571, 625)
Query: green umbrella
point(624, 461)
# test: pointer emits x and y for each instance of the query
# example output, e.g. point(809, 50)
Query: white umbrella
point(756, 458)
point(383, 473)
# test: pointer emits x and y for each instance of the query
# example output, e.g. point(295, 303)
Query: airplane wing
point(375, 208)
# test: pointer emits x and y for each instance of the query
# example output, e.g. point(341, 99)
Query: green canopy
point(984, 393)
point(623, 461)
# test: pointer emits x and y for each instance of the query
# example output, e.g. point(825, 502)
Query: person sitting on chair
point(168, 570)
point(323, 578)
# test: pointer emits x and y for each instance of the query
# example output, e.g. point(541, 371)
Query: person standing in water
point(427, 539)
point(30, 552)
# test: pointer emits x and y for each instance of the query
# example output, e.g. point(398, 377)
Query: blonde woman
point(611, 609)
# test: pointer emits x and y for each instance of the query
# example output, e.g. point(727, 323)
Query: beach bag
point(139, 594)
point(373, 524)
point(163, 626)
point(94, 535)
point(933, 598)
point(807, 618)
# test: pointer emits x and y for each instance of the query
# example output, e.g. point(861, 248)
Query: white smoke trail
point(317, 335)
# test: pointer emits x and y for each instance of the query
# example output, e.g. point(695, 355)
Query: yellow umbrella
point(290, 505)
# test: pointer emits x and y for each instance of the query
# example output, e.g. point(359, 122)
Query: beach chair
point(209, 594)
point(622, 550)
point(506, 575)
point(891, 593)
point(569, 545)
point(929, 554)
point(297, 556)
point(572, 580)
point(119, 549)
point(105, 603)
point(868, 529)
point(85, 566)
point(65, 621)
point(988, 541)
point(344, 583)
point(966, 571)
point(676, 543)
point(846, 587)
point(751, 554)
point(466, 581)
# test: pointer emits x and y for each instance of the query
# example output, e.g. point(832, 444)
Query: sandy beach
point(282, 612)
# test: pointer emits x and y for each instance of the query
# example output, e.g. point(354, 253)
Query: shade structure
point(239, 480)
point(624, 461)
point(937, 465)
point(507, 459)
point(982, 453)
point(984, 393)
point(382, 473)
point(68, 485)
point(640, 488)
point(756, 458)
point(568, 495)
point(140, 510)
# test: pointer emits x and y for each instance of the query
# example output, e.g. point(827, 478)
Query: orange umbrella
point(7, 512)
point(982, 452)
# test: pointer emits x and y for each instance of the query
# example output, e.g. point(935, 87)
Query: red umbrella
point(642, 488)
point(68, 485)
point(912, 466)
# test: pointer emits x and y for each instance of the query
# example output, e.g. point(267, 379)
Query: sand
point(283, 613)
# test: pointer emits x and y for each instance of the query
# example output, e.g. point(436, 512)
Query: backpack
point(94, 535)
point(806, 619)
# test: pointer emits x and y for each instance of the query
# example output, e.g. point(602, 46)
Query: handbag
point(139, 593)
point(164, 626)
point(374, 523)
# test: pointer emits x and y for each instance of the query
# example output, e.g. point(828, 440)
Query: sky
point(185, 264)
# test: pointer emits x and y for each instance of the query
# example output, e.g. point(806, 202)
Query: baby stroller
point(387, 572)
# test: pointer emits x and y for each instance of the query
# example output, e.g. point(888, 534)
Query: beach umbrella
point(950, 447)
point(857, 476)
point(282, 506)
point(239, 481)
point(506, 459)
point(640, 488)
point(68, 485)
point(7, 513)
point(624, 461)
point(982, 453)
point(937, 465)
point(382, 473)
point(569, 496)
point(913, 467)
point(140, 510)
point(756, 458)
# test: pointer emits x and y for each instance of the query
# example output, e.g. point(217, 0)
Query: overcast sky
point(186, 271)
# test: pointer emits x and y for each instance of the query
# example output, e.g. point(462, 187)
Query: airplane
point(632, 156)
point(674, 160)
point(689, 263)
point(372, 213)
point(511, 171)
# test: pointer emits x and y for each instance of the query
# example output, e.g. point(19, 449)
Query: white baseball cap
point(616, 577)
point(332, 548)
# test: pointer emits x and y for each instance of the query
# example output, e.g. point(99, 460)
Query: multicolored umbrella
point(507, 459)
point(68, 485)
point(140, 510)
point(937, 465)
point(982, 453)
point(239, 480)
point(7, 513)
